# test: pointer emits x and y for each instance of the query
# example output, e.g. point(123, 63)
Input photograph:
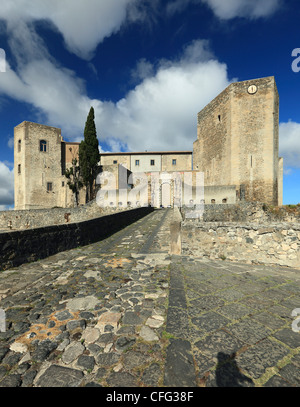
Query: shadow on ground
point(228, 374)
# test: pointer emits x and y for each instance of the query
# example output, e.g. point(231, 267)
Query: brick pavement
point(123, 312)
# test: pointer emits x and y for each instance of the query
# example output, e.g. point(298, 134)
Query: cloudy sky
point(146, 66)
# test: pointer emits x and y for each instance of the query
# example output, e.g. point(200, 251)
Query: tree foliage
point(74, 180)
point(89, 155)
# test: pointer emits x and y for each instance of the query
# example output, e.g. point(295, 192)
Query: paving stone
point(63, 315)
point(277, 381)
point(60, 376)
point(257, 358)
point(152, 375)
point(289, 337)
point(220, 345)
point(290, 373)
point(235, 311)
point(3, 351)
point(228, 375)
point(148, 334)
point(134, 359)
point(13, 380)
point(43, 350)
point(121, 379)
point(131, 318)
point(86, 362)
point(205, 303)
point(210, 321)
point(28, 378)
point(249, 331)
point(269, 320)
point(72, 352)
point(109, 318)
point(90, 335)
point(83, 303)
point(179, 368)
point(178, 322)
point(107, 359)
point(123, 343)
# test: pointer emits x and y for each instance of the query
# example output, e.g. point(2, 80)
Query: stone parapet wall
point(247, 212)
point(30, 245)
point(251, 243)
point(34, 218)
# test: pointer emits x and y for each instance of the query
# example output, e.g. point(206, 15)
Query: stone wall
point(267, 244)
point(35, 218)
point(237, 140)
point(247, 212)
point(30, 245)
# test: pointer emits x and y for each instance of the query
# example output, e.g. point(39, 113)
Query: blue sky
point(146, 66)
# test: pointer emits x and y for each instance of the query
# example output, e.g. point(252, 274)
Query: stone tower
point(237, 141)
point(39, 164)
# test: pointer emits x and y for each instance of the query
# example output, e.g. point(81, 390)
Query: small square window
point(115, 162)
point(152, 162)
point(49, 186)
point(137, 162)
point(174, 162)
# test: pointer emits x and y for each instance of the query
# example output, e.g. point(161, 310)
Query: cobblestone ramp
point(123, 312)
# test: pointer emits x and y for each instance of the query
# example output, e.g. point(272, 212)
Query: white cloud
point(10, 142)
point(6, 186)
point(161, 112)
point(289, 143)
point(228, 9)
point(243, 8)
point(158, 113)
point(83, 24)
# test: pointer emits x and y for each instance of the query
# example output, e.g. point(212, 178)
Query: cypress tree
point(89, 155)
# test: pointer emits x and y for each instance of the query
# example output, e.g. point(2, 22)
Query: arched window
point(19, 146)
point(43, 145)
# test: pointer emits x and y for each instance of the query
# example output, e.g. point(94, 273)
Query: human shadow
point(228, 373)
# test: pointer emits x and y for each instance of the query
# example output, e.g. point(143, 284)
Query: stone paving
point(123, 312)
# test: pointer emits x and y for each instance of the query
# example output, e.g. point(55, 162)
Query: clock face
point(252, 89)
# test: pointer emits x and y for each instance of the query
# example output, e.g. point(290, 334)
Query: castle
point(236, 150)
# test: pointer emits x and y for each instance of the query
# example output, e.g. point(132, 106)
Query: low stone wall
point(251, 243)
point(246, 212)
point(30, 245)
point(35, 218)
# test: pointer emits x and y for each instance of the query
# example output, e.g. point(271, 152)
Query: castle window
point(115, 162)
point(224, 200)
point(63, 183)
point(19, 168)
point(152, 162)
point(219, 117)
point(137, 162)
point(43, 146)
point(49, 186)
point(213, 201)
point(174, 162)
point(19, 146)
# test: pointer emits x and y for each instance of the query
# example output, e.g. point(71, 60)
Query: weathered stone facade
point(41, 157)
point(237, 141)
point(236, 150)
